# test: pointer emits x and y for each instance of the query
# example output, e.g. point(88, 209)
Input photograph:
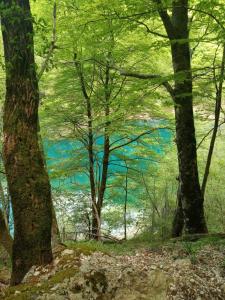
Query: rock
point(55, 287)
point(75, 296)
point(183, 262)
point(56, 261)
point(17, 293)
point(5, 276)
point(67, 252)
point(54, 297)
point(37, 273)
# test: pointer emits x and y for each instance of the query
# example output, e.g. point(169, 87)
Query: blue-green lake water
point(67, 159)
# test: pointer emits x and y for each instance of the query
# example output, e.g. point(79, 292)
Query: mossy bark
point(27, 178)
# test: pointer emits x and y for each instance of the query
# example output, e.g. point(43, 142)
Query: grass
point(143, 241)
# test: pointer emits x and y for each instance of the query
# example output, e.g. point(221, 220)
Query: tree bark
point(27, 178)
point(190, 191)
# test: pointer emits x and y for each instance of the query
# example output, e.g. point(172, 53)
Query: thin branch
point(138, 137)
point(207, 134)
point(165, 18)
point(165, 83)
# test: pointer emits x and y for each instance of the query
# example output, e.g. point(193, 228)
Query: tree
point(190, 197)
point(27, 178)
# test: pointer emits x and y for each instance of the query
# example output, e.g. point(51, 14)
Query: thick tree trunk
point(191, 195)
point(190, 191)
point(26, 175)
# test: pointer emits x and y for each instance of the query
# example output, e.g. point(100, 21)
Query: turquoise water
point(67, 160)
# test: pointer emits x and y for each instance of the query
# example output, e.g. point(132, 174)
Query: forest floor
point(128, 271)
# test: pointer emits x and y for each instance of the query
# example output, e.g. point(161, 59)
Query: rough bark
point(190, 191)
point(27, 178)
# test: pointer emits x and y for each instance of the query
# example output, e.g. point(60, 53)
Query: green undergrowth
point(144, 242)
point(117, 248)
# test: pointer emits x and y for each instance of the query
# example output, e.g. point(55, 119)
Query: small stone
point(37, 273)
point(17, 293)
point(56, 261)
point(67, 252)
point(55, 287)
point(77, 296)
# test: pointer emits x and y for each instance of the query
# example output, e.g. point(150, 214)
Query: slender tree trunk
point(27, 178)
point(95, 217)
point(106, 150)
point(219, 92)
point(190, 191)
point(125, 207)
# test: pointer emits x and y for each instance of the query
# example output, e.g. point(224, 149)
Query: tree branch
point(165, 83)
point(165, 18)
point(138, 137)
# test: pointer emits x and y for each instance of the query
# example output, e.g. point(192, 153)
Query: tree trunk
point(219, 93)
point(89, 146)
point(125, 206)
point(106, 150)
point(190, 191)
point(191, 195)
point(27, 178)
